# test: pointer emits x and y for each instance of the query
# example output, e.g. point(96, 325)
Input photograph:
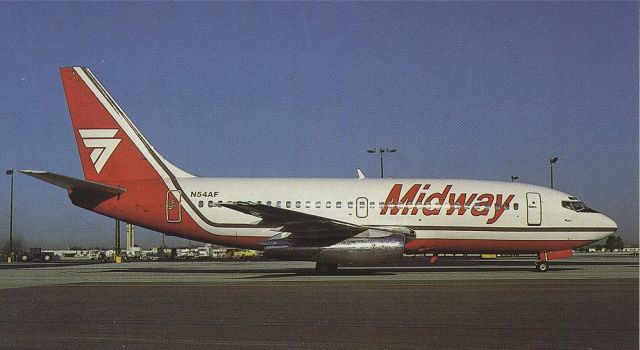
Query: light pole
point(117, 238)
point(10, 172)
point(551, 162)
point(514, 178)
point(382, 151)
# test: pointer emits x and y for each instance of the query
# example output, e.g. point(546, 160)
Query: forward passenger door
point(534, 209)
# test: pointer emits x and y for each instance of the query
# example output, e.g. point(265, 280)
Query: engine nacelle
point(369, 249)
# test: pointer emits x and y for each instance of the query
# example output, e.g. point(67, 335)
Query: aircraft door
point(534, 209)
point(174, 209)
point(362, 207)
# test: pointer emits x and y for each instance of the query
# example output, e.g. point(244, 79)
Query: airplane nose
point(608, 223)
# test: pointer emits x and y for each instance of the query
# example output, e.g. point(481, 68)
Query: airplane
point(332, 222)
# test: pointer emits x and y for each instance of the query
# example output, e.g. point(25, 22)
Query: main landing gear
point(326, 268)
point(542, 266)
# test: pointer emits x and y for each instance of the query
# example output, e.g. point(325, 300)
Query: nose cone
point(607, 225)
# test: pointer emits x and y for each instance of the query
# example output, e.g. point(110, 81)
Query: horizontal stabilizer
point(72, 183)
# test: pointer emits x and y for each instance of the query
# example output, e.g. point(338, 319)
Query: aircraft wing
point(296, 228)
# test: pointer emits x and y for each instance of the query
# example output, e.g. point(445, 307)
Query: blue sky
point(462, 90)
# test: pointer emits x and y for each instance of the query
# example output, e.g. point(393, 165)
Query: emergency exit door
point(174, 209)
point(534, 209)
point(362, 207)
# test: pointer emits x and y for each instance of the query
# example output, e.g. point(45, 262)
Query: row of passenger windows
point(361, 204)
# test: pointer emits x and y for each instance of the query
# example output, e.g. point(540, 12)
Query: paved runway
point(504, 304)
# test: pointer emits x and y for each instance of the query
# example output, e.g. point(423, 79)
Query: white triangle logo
point(103, 143)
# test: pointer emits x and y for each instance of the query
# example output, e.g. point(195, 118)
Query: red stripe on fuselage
point(489, 246)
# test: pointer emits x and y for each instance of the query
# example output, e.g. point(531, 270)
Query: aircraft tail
point(112, 150)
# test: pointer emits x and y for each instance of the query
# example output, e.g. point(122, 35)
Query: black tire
point(542, 266)
point(326, 268)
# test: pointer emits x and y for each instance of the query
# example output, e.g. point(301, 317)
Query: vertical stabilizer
point(112, 150)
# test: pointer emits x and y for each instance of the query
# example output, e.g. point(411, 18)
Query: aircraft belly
point(507, 234)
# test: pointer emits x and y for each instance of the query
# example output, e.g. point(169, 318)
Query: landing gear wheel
point(326, 268)
point(46, 258)
point(542, 266)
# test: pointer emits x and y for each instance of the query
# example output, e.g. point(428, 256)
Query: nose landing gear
point(542, 266)
point(543, 258)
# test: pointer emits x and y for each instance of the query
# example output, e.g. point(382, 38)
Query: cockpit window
point(577, 206)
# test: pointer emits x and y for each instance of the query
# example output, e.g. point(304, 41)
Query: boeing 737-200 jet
point(332, 222)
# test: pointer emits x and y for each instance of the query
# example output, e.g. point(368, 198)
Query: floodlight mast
point(552, 161)
point(10, 173)
point(381, 151)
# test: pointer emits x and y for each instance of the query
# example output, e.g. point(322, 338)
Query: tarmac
point(581, 302)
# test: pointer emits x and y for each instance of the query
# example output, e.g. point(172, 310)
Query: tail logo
point(103, 143)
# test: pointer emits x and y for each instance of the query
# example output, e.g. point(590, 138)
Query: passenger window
point(298, 204)
point(210, 204)
point(288, 204)
point(269, 203)
point(259, 202)
point(201, 204)
point(515, 206)
point(279, 204)
point(338, 204)
point(350, 205)
point(328, 204)
point(318, 204)
point(372, 205)
point(307, 204)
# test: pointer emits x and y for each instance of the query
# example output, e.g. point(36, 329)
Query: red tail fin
point(112, 149)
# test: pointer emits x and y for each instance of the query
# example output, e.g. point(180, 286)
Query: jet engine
point(375, 247)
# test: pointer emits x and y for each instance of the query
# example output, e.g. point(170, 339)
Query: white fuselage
point(366, 202)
